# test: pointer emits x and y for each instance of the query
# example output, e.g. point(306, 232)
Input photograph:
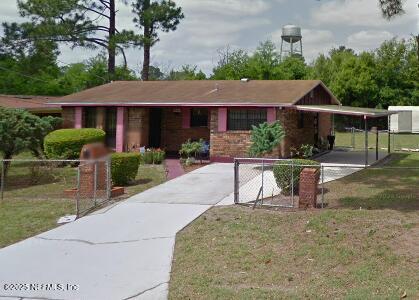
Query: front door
point(110, 127)
point(155, 128)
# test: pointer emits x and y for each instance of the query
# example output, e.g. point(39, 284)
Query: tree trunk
point(111, 45)
point(146, 62)
point(147, 45)
point(417, 46)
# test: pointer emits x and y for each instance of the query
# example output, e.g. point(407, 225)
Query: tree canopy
point(21, 130)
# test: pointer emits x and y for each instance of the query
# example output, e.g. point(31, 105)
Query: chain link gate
point(269, 182)
point(93, 184)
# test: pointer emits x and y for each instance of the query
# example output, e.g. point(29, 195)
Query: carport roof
point(347, 110)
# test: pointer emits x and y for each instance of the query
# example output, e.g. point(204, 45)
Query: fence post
point(322, 173)
point(95, 183)
point(236, 181)
point(263, 174)
point(78, 191)
point(376, 144)
point(389, 134)
point(2, 179)
point(108, 177)
point(353, 137)
point(292, 183)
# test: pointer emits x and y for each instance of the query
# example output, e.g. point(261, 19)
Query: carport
point(365, 113)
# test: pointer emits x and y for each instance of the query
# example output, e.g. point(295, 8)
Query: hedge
point(67, 143)
point(287, 173)
point(124, 167)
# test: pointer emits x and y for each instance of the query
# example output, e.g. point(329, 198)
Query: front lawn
point(365, 247)
point(398, 141)
point(34, 197)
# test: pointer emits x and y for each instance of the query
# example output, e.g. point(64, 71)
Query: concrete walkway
point(173, 167)
point(122, 252)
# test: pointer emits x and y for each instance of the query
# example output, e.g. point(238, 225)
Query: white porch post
point(366, 139)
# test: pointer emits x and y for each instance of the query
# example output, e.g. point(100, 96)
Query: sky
point(211, 25)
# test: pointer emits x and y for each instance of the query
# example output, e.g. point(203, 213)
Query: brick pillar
point(100, 118)
point(120, 129)
point(87, 170)
point(78, 117)
point(309, 179)
point(271, 115)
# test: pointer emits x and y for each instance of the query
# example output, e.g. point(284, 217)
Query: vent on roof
point(245, 80)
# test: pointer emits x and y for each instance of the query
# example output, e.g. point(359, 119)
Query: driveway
point(121, 252)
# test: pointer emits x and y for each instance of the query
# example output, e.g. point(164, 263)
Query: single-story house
point(164, 114)
point(34, 104)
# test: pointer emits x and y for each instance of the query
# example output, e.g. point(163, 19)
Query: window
point(243, 119)
point(300, 120)
point(199, 117)
point(90, 117)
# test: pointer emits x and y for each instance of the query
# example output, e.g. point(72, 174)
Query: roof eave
point(172, 104)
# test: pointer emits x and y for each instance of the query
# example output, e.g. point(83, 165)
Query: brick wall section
point(237, 143)
point(137, 129)
point(325, 125)
point(227, 143)
point(173, 135)
point(295, 136)
point(68, 115)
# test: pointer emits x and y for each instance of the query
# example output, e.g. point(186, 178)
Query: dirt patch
point(407, 244)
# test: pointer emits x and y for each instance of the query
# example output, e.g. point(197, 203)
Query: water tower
point(291, 35)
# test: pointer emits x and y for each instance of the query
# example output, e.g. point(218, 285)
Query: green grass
point(336, 253)
point(147, 177)
point(379, 188)
point(20, 219)
point(34, 196)
point(398, 141)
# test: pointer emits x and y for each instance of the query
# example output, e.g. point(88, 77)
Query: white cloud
point(226, 7)
point(359, 13)
point(367, 39)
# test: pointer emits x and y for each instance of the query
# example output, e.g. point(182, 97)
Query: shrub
point(307, 150)
point(265, 137)
point(189, 148)
point(153, 156)
point(287, 173)
point(67, 143)
point(124, 167)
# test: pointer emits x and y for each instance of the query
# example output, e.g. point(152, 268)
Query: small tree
point(265, 137)
point(21, 130)
point(153, 16)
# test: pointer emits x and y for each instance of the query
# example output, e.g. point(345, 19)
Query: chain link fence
point(72, 186)
point(281, 183)
point(354, 138)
